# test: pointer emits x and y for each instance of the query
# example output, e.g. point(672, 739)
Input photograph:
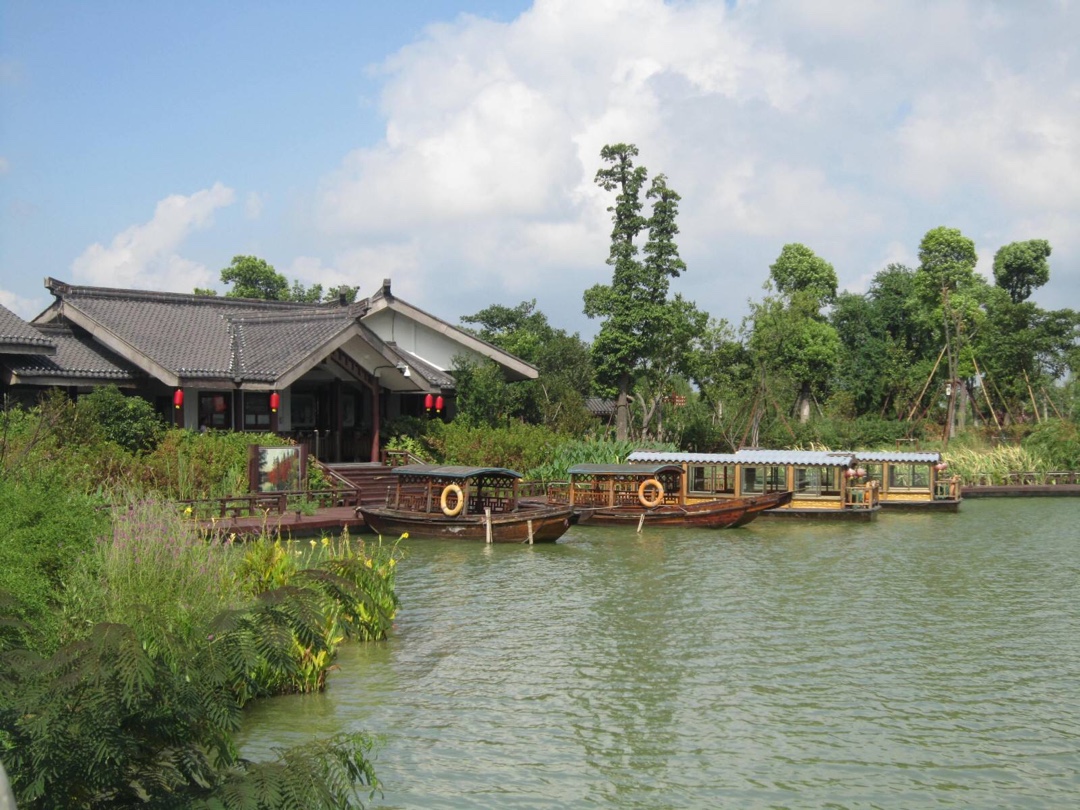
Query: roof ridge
point(61, 289)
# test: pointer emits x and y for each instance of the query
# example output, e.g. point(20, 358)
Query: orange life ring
point(646, 501)
point(455, 510)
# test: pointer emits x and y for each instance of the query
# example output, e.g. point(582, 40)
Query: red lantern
point(275, 402)
point(178, 398)
point(438, 404)
point(429, 402)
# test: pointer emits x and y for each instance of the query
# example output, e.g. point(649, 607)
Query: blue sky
point(451, 146)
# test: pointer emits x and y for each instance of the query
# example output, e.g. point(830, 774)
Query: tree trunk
point(622, 410)
point(802, 404)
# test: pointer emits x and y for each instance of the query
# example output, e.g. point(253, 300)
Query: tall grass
point(993, 466)
point(155, 572)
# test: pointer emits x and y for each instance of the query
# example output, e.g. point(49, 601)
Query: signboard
point(277, 469)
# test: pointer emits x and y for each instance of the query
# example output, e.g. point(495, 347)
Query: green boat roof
point(639, 470)
point(450, 471)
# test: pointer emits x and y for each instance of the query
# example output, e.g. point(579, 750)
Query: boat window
point(873, 472)
point(808, 480)
point(712, 479)
point(756, 480)
point(909, 476)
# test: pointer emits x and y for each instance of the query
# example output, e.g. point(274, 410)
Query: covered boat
point(818, 484)
point(468, 503)
point(650, 494)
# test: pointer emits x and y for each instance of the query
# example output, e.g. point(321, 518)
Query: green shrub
point(44, 528)
point(517, 446)
point(1058, 442)
point(130, 422)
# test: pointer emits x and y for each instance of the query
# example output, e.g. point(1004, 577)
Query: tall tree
point(635, 308)
point(947, 281)
point(791, 338)
point(1021, 267)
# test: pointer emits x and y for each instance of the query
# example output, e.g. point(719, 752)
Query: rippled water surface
point(920, 661)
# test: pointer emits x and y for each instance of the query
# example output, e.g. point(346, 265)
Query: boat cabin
point(453, 491)
point(911, 481)
point(824, 484)
point(624, 485)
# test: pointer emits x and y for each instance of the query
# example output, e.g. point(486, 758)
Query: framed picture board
point(277, 469)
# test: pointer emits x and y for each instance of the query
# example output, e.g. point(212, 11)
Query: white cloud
point(25, 308)
point(853, 126)
point(145, 257)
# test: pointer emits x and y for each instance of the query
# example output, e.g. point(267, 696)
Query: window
point(712, 479)
point(256, 411)
point(757, 480)
point(909, 476)
point(215, 410)
point(817, 481)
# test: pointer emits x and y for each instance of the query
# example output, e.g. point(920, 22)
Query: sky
point(451, 145)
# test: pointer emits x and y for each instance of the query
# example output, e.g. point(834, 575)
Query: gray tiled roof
point(77, 357)
point(210, 337)
point(18, 337)
point(267, 347)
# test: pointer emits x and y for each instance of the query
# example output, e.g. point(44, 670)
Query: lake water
point(919, 661)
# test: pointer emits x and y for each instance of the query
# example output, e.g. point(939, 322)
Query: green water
point(920, 661)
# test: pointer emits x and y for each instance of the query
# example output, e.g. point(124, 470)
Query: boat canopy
point(639, 470)
point(444, 471)
point(800, 458)
point(897, 457)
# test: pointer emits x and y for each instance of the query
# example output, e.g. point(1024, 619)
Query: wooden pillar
point(376, 418)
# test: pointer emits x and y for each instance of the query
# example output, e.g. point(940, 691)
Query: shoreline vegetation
point(132, 640)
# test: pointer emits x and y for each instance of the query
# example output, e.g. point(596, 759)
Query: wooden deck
point(328, 520)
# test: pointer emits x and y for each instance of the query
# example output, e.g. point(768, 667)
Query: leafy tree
point(636, 311)
point(790, 337)
point(557, 398)
point(799, 270)
point(947, 282)
point(253, 277)
point(1021, 267)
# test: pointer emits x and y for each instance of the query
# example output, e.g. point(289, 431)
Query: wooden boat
point(822, 484)
point(644, 494)
point(467, 503)
point(911, 481)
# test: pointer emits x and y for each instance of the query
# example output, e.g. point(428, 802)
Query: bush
point(1057, 441)
point(517, 446)
point(130, 422)
point(45, 528)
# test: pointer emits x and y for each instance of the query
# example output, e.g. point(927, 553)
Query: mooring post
point(640, 523)
point(529, 524)
point(487, 521)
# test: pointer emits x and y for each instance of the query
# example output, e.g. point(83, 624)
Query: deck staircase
point(372, 481)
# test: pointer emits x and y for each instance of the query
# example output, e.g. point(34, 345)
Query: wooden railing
point(263, 503)
point(398, 458)
point(865, 496)
point(1015, 479)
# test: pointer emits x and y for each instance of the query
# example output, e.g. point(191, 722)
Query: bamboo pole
point(487, 522)
point(1034, 404)
point(927, 385)
point(529, 524)
point(985, 393)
